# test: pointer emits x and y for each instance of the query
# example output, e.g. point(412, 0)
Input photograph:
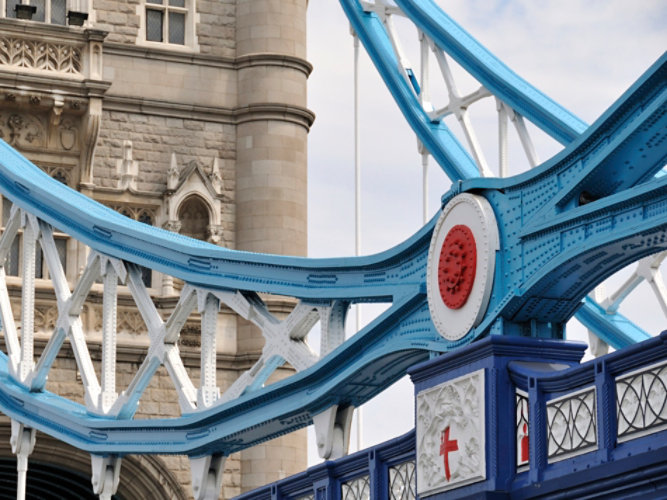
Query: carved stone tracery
point(20, 129)
point(45, 318)
point(37, 54)
point(136, 212)
point(59, 173)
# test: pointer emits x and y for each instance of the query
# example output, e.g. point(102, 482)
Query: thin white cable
point(425, 100)
point(357, 199)
point(425, 186)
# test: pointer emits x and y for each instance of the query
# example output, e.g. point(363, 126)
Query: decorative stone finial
point(127, 168)
point(172, 173)
point(215, 177)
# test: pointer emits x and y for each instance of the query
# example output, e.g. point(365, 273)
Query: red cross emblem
point(446, 446)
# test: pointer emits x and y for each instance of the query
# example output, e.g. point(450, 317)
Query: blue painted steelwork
point(615, 329)
point(555, 120)
point(546, 370)
point(540, 281)
point(554, 250)
point(324, 480)
point(547, 114)
point(436, 136)
point(525, 99)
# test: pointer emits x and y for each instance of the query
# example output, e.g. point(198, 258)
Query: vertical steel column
point(30, 234)
point(537, 430)
point(22, 441)
point(109, 310)
point(502, 139)
point(208, 391)
point(607, 428)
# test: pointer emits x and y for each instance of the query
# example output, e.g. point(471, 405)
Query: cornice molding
point(169, 109)
point(245, 61)
point(272, 111)
point(233, 116)
point(50, 32)
point(255, 60)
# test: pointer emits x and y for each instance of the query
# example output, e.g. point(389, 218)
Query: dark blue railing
point(557, 428)
point(368, 473)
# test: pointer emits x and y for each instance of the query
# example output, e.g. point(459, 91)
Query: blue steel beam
point(589, 211)
point(489, 70)
point(500, 80)
point(552, 118)
point(377, 277)
point(436, 136)
point(615, 329)
point(404, 334)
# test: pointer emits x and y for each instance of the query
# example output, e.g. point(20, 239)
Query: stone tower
point(184, 114)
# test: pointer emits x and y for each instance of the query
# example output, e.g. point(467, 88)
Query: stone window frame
point(191, 19)
point(70, 5)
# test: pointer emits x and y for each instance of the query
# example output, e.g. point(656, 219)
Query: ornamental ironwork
point(356, 489)
point(641, 402)
point(571, 425)
point(402, 484)
point(522, 425)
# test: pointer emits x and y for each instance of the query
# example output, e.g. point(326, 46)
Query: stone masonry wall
point(119, 18)
point(215, 28)
point(154, 138)
point(216, 31)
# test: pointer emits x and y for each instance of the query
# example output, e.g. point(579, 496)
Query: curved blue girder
point(615, 329)
point(506, 85)
point(530, 102)
point(554, 249)
point(376, 277)
point(488, 69)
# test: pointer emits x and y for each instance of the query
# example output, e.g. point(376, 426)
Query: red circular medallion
point(457, 266)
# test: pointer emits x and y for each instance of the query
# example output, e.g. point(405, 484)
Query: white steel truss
point(285, 342)
point(458, 104)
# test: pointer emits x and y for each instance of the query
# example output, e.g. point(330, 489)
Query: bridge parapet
point(519, 417)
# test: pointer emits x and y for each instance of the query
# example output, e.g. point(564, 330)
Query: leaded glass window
point(51, 11)
point(166, 21)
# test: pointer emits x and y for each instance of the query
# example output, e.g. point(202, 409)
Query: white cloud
point(582, 53)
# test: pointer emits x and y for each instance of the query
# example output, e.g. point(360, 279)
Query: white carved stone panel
point(451, 435)
point(641, 402)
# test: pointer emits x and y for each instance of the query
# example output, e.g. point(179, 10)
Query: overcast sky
point(581, 53)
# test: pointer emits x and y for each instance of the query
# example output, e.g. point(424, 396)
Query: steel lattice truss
point(564, 226)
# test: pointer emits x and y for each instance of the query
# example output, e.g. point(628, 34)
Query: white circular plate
point(476, 214)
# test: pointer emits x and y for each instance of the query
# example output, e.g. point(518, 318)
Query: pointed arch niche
point(194, 217)
point(193, 201)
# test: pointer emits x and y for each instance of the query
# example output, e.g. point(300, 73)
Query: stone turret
point(271, 175)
